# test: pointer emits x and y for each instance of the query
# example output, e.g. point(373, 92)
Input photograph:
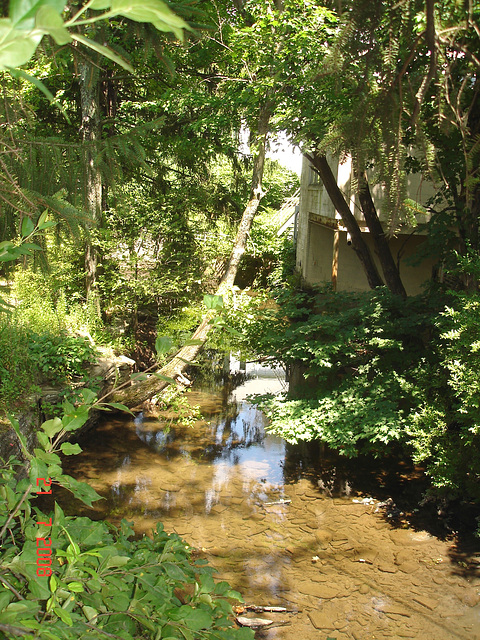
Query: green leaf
point(80, 490)
point(59, 516)
point(244, 634)
point(27, 226)
point(28, 247)
point(63, 615)
point(43, 439)
point(163, 344)
point(16, 47)
point(42, 218)
point(5, 599)
point(139, 376)
point(23, 607)
point(49, 223)
point(52, 427)
point(70, 449)
point(174, 571)
point(196, 619)
point(16, 427)
point(88, 532)
point(154, 11)
point(117, 561)
point(101, 5)
point(213, 302)
point(104, 51)
point(75, 587)
point(120, 602)
point(22, 12)
point(193, 343)
point(49, 21)
point(90, 612)
point(118, 405)
point(164, 378)
point(38, 469)
point(75, 419)
point(53, 583)
point(48, 458)
point(89, 396)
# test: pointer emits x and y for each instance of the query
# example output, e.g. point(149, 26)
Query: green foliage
point(41, 302)
point(60, 357)
point(181, 324)
point(28, 359)
point(370, 371)
point(17, 369)
point(29, 21)
point(67, 577)
point(445, 429)
point(361, 354)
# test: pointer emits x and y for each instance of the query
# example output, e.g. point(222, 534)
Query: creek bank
point(108, 371)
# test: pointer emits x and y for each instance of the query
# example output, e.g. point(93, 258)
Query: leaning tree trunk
point(89, 79)
point(141, 392)
point(389, 268)
point(321, 166)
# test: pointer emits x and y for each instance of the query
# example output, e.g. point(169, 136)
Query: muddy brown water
point(286, 525)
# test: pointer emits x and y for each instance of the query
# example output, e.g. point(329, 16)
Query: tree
point(261, 53)
point(22, 33)
point(399, 93)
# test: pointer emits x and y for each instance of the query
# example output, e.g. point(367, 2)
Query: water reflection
point(285, 524)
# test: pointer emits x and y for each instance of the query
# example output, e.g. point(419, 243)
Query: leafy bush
point(445, 430)
point(60, 357)
point(380, 371)
point(362, 354)
point(17, 370)
point(67, 577)
point(28, 359)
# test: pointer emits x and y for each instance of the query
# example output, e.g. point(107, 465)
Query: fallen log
point(140, 392)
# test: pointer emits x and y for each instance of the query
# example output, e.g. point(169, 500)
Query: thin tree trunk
point(89, 79)
point(389, 268)
point(321, 166)
point(137, 394)
point(256, 194)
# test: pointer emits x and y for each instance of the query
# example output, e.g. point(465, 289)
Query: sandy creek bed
point(324, 548)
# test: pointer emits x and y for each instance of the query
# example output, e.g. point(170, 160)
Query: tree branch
point(430, 38)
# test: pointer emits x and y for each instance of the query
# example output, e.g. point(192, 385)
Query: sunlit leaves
point(154, 11)
point(213, 302)
point(16, 47)
point(23, 12)
point(163, 344)
point(30, 20)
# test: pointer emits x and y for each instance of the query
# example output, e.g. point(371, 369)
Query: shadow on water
point(343, 540)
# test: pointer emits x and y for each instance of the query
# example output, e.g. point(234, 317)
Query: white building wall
point(315, 240)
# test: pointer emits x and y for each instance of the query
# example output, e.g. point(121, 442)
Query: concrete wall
point(351, 277)
point(315, 240)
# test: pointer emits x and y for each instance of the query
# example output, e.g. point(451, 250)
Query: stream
point(295, 526)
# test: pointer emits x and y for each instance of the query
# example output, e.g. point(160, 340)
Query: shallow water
point(288, 525)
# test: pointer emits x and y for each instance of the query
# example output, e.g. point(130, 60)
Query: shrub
point(380, 371)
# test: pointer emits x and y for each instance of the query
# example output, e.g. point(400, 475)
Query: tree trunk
point(389, 268)
point(137, 394)
point(321, 166)
point(89, 79)
point(256, 194)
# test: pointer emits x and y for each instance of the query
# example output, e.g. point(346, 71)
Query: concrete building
point(324, 254)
